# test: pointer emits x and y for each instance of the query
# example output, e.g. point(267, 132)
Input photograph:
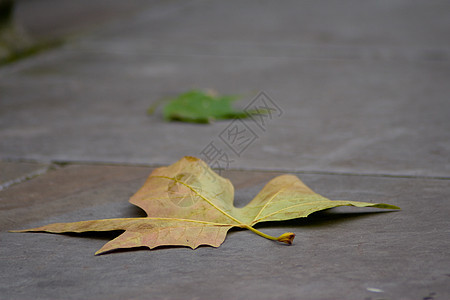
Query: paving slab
point(362, 88)
point(344, 253)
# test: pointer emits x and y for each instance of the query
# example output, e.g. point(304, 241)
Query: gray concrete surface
point(363, 114)
point(49, 19)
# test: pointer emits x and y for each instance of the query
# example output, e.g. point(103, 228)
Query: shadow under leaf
point(320, 219)
point(133, 211)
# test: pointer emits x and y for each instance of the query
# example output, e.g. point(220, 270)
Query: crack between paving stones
point(60, 163)
point(25, 178)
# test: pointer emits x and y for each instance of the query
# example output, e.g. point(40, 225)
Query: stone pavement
point(361, 91)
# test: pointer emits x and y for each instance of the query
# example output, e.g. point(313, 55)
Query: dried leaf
point(188, 204)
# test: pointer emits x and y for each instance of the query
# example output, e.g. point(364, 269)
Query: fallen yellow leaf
point(188, 204)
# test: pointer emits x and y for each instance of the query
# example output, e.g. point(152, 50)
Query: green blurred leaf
point(200, 107)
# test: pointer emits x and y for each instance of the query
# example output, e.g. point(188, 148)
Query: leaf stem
point(287, 237)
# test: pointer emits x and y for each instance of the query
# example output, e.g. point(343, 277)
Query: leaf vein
point(286, 208)
point(270, 200)
point(203, 197)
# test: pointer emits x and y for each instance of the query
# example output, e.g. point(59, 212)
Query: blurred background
point(363, 86)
